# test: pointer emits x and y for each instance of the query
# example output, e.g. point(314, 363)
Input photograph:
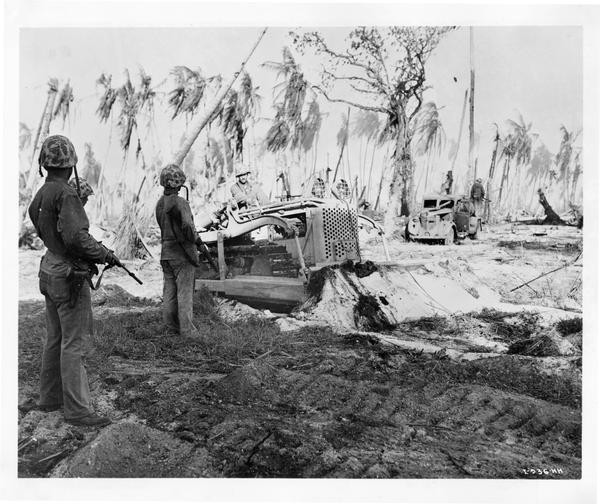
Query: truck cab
point(443, 217)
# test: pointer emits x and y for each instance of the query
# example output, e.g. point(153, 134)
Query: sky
point(534, 71)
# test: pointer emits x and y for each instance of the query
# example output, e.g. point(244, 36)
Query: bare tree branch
point(381, 110)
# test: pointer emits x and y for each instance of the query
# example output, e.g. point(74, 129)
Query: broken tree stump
point(552, 217)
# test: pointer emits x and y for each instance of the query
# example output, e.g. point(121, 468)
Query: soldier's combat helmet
point(84, 187)
point(241, 170)
point(172, 176)
point(57, 152)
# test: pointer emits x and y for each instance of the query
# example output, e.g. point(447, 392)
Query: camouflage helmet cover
point(241, 170)
point(57, 152)
point(172, 176)
point(84, 187)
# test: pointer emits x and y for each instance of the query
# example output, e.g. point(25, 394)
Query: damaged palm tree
point(564, 160)
point(235, 114)
point(108, 98)
point(292, 128)
point(430, 136)
point(129, 234)
point(189, 90)
point(383, 69)
point(129, 242)
point(203, 120)
point(552, 217)
point(41, 134)
point(64, 103)
point(366, 126)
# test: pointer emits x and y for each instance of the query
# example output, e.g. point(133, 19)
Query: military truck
point(445, 218)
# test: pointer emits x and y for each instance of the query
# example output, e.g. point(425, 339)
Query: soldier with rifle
point(65, 277)
point(179, 253)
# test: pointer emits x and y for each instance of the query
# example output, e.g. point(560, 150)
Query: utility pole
point(471, 171)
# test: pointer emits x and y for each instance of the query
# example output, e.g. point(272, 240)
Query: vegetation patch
point(369, 316)
point(510, 326)
point(570, 326)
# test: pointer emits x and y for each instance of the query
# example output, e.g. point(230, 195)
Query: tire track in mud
point(290, 423)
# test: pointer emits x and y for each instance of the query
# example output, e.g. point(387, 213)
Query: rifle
point(204, 249)
point(120, 265)
point(130, 273)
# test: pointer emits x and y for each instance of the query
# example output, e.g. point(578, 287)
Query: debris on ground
point(387, 368)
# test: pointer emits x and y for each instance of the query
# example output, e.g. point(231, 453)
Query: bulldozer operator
point(244, 193)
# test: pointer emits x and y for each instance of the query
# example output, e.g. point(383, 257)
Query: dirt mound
point(247, 383)
point(128, 450)
point(111, 295)
point(45, 439)
point(381, 298)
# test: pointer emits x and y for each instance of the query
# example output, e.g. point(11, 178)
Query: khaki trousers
point(178, 294)
point(63, 376)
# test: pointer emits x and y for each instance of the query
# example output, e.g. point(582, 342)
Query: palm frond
point(366, 124)
point(128, 113)
point(342, 134)
point(188, 92)
point(431, 136)
point(24, 136)
point(278, 135)
point(233, 121)
point(311, 125)
point(108, 98)
point(64, 100)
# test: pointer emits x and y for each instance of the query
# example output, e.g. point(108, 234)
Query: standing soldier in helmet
point(66, 268)
point(477, 196)
point(179, 253)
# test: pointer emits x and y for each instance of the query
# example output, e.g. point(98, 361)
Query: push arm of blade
point(300, 256)
point(381, 233)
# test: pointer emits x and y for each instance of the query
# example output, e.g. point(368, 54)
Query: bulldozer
point(265, 256)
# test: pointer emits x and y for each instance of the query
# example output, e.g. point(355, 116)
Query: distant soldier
point(65, 273)
point(85, 189)
point(243, 192)
point(179, 253)
point(447, 184)
point(478, 196)
point(319, 188)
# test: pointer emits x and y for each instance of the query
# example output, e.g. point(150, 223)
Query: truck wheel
point(449, 239)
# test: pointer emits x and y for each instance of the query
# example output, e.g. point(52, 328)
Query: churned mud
point(347, 390)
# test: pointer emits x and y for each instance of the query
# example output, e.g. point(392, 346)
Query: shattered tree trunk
point(41, 135)
point(402, 173)
point(460, 130)
point(551, 216)
point(490, 178)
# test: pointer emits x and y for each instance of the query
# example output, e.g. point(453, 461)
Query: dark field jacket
point(177, 230)
point(62, 224)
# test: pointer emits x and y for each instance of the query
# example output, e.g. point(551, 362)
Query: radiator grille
point(340, 230)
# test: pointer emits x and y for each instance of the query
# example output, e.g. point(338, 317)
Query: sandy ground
point(453, 376)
